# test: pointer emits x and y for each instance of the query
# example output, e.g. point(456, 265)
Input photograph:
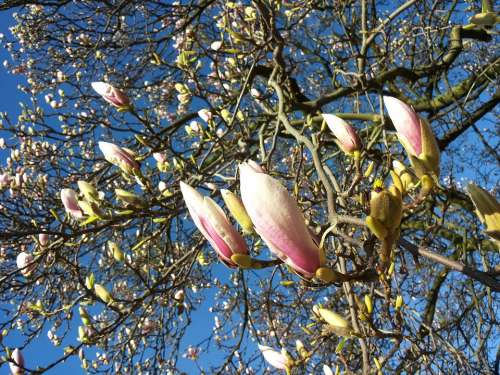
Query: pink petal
point(70, 202)
point(273, 357)
point(213, 224)
point(18, 358)
point(118, 156)
point(407, 124)
point(278, 220)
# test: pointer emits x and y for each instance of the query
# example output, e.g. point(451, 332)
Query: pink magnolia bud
point(17, 367)
point(415, 135)
point(111, 94)
point(278, 220)
point(205, 114)
point(119, 157)
point(214, 225)
point(25, 263)
point(70, 202)
point(276, 359)
point(43, 238)
point(160, 157)
point(4, 180)
point(347, 137)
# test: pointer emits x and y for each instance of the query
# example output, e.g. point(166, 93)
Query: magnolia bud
point(235, 206)
point(339, 325)
point(129, 197)
point(103, 293)
point(114, 249)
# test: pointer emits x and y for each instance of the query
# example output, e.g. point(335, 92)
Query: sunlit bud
point(17, 364)
point(226, 115)
point(161, 161)
point(216, 45)
point(120, 157)
point(25, 263)
point(70, 202)
point(179, 296)
point(408, 181)
point(89, 281)
point(128, 197)
point(304, 354)
point(82, 334)
point(89, 192)
point(339, 325)
point(274, 358)
point(212, 222)
point(114, 249)
point(4, 180)
point(195, 126)
point(485, 19)
point(162, 186)
point(369, 170)
point(399, 302)
point(346, 135)
point(278, 220)
point(90, 209)
point(60, 76)
point(205, 115)
point(235, 206)
point(111, 94)
point(385, 207)
point(102, 293)
point(43, 239)
point(160, 157)
point(327, 370)
point(487, 209)
point(416, 136)
point(368, 303)
point(84, 316)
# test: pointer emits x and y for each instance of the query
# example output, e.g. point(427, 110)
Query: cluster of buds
point(267, 208)
point(89, 205)
point(386, 209)
point(415, 134)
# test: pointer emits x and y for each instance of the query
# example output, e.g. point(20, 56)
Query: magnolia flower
point(205, 114)
point(276, 359)
point(43, 239)
point(347, 137)
point(120, 157)
point(111, 94)
point(17, 367)
point(25, 263)
point(214, 225)
point(415, 135)
point(70, 202)
point(278, 220)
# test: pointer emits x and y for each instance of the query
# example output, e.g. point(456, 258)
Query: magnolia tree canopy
point(252, 187)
